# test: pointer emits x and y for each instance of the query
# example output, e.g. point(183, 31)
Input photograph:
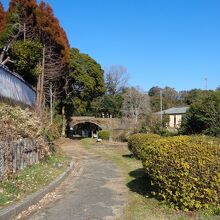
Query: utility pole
point(161, 107)
point(206, 83)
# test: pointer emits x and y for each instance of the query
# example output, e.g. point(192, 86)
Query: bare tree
point(116, 78)
point(136, 103)
point(15, 31)
point(52, 72)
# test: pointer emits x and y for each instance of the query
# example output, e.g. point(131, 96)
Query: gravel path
point(95, 191)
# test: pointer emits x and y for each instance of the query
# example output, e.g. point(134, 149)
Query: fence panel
point(16, 155)
point(14, 88)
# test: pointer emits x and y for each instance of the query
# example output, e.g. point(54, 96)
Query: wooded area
point(69, 82)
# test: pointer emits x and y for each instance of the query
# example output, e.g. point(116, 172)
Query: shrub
point(185, 171)
point(137, 142)
point(152, 124)
point(53, 131)
point(121, 136)
point(17, 123)
point(105, 135)
point(202, 120)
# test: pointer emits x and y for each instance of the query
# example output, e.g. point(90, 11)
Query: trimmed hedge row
point(105, 135)
point(138, 142)
point(184, 170)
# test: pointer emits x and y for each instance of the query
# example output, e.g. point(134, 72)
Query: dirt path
point(95, 191)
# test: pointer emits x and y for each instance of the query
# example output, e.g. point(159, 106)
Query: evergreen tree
point(51, 32)
point(203, 116)
point(2, 18)
point(85, 82)
point(28, 21)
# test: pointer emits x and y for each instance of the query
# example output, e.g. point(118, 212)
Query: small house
point(175, 116)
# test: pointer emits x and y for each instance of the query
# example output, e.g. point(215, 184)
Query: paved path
point(96, 191)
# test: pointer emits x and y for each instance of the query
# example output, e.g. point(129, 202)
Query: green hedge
point(105, 135)
point(137, 142)
point(185, 171)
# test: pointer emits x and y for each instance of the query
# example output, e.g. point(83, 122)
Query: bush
point(152, 124)
point(137, 142)
point(105, 135)
point(185, 171)
point(123, 137)
point(202, 120)
point(17, 123)
point(53, 131)
point(120, 135)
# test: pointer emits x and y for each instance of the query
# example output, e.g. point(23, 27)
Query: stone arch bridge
point(92, 124)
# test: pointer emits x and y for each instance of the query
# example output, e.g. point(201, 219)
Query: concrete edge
point(13, 210)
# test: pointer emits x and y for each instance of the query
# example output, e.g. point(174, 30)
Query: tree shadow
point(128, 155)
point(141, 184)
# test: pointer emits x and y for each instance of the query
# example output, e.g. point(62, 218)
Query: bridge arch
point(111, 124)
point(84, 129)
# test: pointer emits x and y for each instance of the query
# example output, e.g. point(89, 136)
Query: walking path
point(95, 191)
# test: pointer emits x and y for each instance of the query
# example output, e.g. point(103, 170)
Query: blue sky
point(172, 43)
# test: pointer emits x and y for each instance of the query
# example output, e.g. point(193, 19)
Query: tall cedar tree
point(2, 18)
point(50, 29)
point(41, 23)
point(20, 24)
point(38, 23)
point(26, 10)
point(57, 49)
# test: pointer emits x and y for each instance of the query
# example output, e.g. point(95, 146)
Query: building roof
point(174, 111)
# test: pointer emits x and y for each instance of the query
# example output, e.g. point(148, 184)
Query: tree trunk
point(24, 31)
point(37, 103)
point(64, 122)
point(51, 103)
point(2, 55)
point(41, 97)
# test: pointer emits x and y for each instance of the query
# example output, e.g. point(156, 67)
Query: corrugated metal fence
point(14, 88)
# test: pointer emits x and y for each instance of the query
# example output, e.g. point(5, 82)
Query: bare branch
point(116, 78)
point(135, 104)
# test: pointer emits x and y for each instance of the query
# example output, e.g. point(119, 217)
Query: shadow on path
point(141, 182)
point(128, 156)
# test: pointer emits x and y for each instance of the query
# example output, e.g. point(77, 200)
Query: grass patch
point(32, 178)
point(140, 205)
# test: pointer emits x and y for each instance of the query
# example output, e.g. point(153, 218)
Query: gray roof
point(174, 111)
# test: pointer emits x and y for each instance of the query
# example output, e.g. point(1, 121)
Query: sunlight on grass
point(32, 178)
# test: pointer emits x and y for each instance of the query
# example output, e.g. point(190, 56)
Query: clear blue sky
point(161, 42)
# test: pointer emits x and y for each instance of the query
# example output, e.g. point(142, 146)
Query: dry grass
point(18, 123)
point(32, 178)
